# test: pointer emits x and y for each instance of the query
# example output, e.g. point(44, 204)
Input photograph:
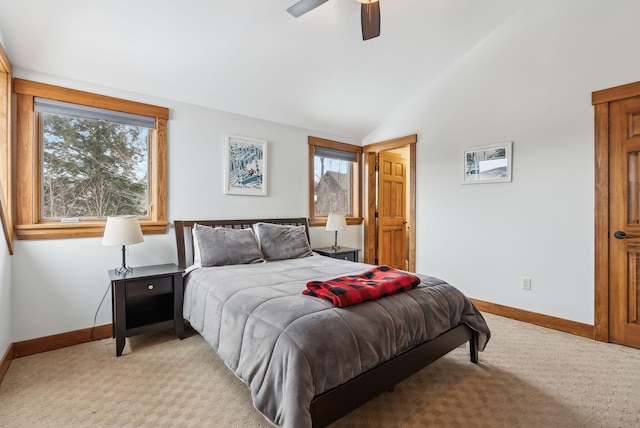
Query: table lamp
point(122, 230)
point(336, 223)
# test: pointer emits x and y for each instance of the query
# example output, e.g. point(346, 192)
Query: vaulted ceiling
point(250, 56)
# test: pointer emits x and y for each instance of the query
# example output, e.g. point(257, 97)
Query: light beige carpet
point(528, 377)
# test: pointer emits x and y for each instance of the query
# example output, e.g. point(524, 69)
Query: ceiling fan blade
point(370, 20)
point(304, 6)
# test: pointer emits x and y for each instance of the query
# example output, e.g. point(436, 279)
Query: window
point(82, 157)
point(94, 163)
point(334, 182)
point(5, 149)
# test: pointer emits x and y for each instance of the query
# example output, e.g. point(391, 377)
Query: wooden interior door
point(624, 218)
point(392, 232)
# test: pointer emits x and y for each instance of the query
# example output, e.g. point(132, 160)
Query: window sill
point(82, 229)
point(322, 221)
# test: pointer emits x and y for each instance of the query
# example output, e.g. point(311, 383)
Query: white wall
point(58, 284)
point(529, 82)
point(5, 287)
point(5, 296)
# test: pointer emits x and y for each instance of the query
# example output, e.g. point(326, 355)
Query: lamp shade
point(336, 222)
point(122, 230)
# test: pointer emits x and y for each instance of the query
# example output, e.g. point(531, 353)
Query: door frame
point(370, 151)
point(601, 100)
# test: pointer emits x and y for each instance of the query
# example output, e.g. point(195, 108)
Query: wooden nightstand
point(344, 253)
point(145, 300)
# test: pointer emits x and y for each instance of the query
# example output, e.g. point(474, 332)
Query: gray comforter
point(288, 347)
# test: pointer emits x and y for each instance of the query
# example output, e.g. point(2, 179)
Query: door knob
point(619, 234)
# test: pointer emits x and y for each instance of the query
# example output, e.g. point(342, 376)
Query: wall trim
point(62, 340)
point(5, 362)
point(548, 321)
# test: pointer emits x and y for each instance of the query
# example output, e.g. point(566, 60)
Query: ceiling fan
point(370, 14)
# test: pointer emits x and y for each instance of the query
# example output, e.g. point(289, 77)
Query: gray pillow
point(281, 242)
point(224, 246)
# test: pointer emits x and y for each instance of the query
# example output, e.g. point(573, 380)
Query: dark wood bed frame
point(337, 402)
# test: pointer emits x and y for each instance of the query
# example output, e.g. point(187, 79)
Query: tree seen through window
point(93, 168)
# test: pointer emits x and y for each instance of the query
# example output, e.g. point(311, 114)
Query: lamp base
point(335, 246)
point(124, 269)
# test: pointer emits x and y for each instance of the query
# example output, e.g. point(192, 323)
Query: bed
point(306, 362)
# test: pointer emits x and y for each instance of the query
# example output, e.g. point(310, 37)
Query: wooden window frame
point(29, 224)
point(356, 188)
point(6, 174)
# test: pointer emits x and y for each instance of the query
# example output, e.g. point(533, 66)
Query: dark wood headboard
point(185, 243)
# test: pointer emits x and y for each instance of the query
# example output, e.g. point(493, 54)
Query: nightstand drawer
point(150, 286)
point(347, 256)
point(342, 253)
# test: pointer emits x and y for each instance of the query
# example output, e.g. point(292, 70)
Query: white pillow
point(197, 260)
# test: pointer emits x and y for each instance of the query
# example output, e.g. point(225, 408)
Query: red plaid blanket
point(351, 289)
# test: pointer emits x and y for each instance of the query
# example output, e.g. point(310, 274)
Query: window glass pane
point(93, 168)
point(332, 186)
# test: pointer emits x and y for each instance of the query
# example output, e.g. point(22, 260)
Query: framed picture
point(488, 164)
point(245, 171)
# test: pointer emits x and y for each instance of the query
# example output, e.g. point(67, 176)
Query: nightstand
point(343, 253)
point(145, 300)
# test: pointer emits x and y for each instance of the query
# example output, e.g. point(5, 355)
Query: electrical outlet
point(525, 282)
